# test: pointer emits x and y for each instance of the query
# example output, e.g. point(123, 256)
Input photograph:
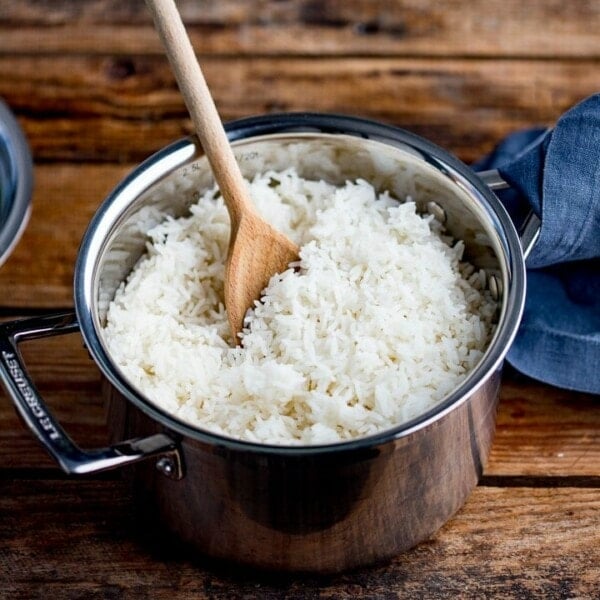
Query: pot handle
point(529, 231)
point(38, 418)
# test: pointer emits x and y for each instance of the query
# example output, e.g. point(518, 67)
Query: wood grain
point(95, 95)
point(545, 431)
point(495, 28)
point(39, 273)
point(112, 109)
point(517, 543)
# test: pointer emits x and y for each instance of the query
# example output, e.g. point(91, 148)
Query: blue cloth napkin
point(556, 173)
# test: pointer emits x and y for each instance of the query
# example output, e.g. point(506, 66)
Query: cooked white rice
point(375, 327)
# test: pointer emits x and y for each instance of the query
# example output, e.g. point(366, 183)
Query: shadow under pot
point(299, 508)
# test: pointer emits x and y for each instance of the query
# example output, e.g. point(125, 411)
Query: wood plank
point(122, 109)
point(82, 539)
point(39, 273)
point(545, 431)
point(367, 27)
point(542, 431)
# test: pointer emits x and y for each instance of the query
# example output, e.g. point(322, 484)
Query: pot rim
point(305, 122)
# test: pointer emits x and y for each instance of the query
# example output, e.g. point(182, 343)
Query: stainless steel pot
point(325, 508)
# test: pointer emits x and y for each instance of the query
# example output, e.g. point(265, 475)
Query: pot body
point(315, 512)
point(322, 508)
point(333, 507)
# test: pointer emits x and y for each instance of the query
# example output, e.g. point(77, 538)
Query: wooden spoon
point(256, 250)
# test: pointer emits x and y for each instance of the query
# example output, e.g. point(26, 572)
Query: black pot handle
point(39, 419)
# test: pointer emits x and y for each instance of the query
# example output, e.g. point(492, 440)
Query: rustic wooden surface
point(88, 82)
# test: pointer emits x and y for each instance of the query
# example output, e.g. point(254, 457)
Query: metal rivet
point(433, 208)
point(166, 466)
point(495, 287)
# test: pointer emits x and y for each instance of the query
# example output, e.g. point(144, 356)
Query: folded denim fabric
point(556, 173)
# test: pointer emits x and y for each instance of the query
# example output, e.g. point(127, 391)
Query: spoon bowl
point(256, 253)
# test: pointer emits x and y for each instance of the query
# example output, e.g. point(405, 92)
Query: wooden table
point(94, 94)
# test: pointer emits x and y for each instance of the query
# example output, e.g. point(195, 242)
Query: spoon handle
point(201, 107)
